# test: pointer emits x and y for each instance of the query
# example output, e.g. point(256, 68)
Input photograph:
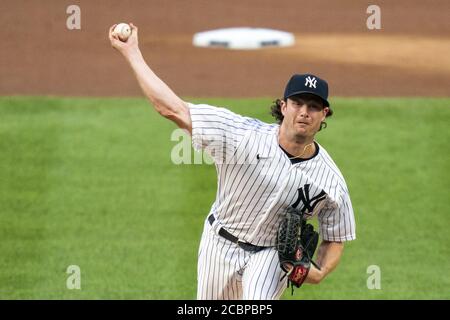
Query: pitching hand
point(128, 47)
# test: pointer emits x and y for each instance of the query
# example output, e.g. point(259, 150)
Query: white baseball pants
point(225, 271)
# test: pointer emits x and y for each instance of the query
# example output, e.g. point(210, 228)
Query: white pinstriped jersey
point(257, 181)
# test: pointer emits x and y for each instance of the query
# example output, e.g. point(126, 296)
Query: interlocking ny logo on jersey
point(311, 82)
point(308, 203)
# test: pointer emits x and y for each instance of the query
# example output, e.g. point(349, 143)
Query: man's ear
point(283, 106)
point(325, 112)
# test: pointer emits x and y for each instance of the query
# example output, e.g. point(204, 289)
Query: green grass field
point(90, 182)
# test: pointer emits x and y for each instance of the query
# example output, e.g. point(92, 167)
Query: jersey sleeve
point(337, 222)
point(218, 131)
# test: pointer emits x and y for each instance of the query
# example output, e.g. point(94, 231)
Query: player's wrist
point(133, 56)
point(132, 53)
point(315, 276)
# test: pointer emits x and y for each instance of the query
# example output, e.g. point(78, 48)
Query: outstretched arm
point(328, 256)
point(165, 101)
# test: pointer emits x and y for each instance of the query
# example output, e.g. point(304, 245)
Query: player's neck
point(299, 147)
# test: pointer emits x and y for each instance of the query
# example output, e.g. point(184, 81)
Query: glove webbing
point(305, 252)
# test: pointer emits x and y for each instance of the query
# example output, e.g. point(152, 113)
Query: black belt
point(225, 234)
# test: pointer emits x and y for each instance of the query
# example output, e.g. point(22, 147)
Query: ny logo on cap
point(311, 82)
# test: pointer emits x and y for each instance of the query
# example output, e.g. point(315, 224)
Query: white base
point(243, 38)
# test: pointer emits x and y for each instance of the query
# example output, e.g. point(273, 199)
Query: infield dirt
point(409, 56)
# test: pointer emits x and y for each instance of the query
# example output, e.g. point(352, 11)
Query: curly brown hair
point(275, 109)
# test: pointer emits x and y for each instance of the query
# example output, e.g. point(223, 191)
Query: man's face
point(303, 115)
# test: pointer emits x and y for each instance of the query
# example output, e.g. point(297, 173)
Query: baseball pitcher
point(272, 178)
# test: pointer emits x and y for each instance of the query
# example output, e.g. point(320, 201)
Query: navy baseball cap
point(307, 83)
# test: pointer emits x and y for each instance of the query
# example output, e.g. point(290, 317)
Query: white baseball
point(123, 31)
